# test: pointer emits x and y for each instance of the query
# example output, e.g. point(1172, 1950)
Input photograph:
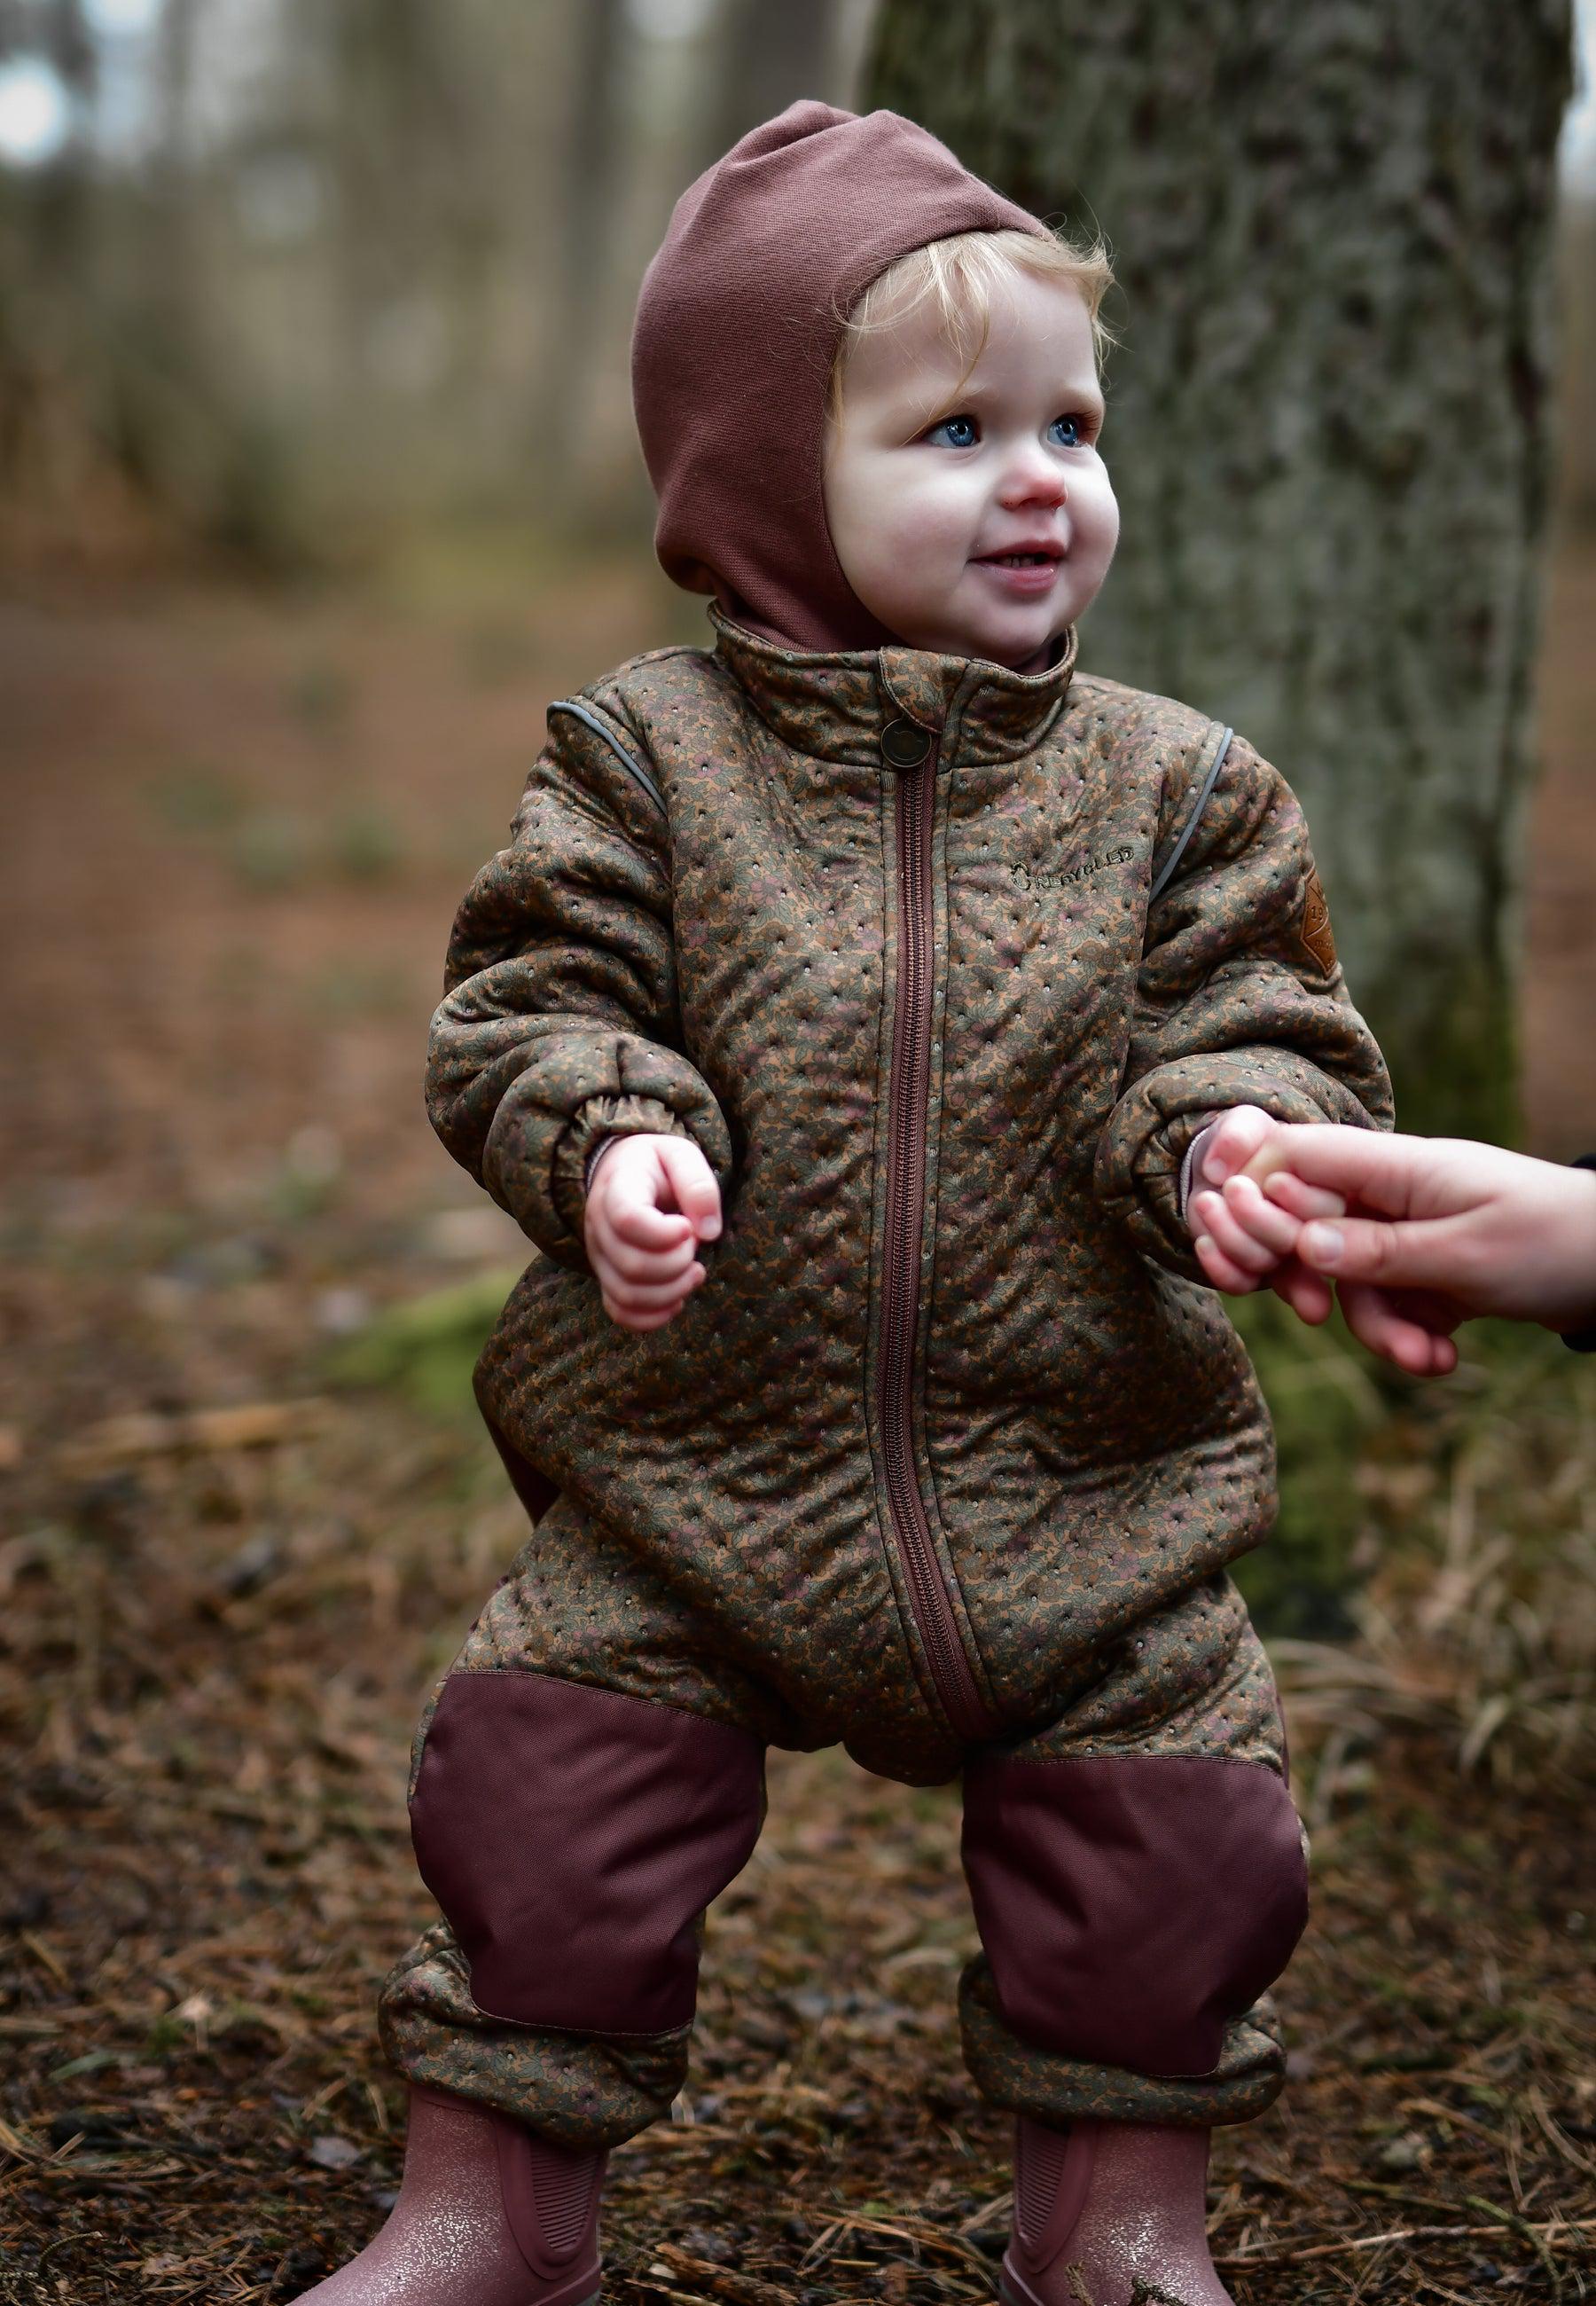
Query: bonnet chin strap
point(1195, 818)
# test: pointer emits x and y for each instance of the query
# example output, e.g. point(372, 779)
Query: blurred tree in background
point(292, 279)
point(285, 274)
point(1328, 423)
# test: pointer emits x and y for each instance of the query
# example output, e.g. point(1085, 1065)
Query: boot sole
point(566, 2293)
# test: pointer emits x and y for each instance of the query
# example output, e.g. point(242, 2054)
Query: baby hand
point(650, 1200)
point(1243, 1239)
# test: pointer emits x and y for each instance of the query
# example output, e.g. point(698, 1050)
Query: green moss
point(195, 798)
point(364, 842)
point(270, 850)
point(1448, 1033)
point(1327, 1403)
point(322, 695)
point(426, 1349)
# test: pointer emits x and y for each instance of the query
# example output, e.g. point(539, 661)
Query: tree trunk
point(770, 57)
point(1328, 424)
point(591, 178)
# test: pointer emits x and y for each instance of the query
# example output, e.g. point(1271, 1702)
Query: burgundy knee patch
point(573, 1837)
point(1130, 1907)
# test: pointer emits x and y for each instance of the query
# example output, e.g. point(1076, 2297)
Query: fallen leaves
point(129, 1439)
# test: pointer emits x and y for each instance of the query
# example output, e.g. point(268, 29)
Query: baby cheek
point(1100, 510)
point(935, 522)
point(899, 554)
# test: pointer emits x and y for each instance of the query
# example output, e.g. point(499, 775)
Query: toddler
point(853, 1011)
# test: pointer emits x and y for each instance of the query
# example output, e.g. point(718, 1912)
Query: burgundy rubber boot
point(1110, 2214)
point(488, 2214)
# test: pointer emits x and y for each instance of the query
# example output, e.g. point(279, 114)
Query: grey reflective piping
point(601, 728)
point(1194, 820)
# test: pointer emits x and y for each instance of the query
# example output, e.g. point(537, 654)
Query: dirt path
point(237, 835)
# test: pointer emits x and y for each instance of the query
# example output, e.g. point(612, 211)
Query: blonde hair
point(957, 276)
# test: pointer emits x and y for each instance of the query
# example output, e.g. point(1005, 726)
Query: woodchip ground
point(236, 831)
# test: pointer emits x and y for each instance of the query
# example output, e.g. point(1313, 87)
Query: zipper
point(930, 1601)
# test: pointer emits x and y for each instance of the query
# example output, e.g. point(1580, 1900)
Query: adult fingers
point(1288, 1192)
point(1425, 1254)
point(1362, 1165)
point(1377, 1319)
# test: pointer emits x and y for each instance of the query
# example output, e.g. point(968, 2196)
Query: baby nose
point(1033, 481)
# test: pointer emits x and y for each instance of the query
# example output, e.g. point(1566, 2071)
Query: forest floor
point(237, 828)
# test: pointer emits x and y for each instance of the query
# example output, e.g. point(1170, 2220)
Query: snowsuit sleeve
point(1240, 1000)
point(559, 1023)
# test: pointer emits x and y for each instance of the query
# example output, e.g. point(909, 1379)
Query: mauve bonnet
point(737, 327)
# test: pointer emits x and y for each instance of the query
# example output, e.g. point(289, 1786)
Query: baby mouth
point(1019, 560)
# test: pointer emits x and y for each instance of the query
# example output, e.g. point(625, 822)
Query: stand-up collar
point(871, 704)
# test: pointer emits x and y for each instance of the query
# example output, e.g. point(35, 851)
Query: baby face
point(972, 513)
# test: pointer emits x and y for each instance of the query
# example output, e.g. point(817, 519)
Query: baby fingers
point(1220, 1269)
point(1232, 1230)
point(639, 1307)
point(1271, 1228)
point(646, 1267)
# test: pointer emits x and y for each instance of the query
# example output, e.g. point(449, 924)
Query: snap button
point(904, 744)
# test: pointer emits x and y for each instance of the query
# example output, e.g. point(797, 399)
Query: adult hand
point(1441, 1230)
point(650, 1200)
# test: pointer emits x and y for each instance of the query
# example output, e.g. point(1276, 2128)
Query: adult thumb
point(1421, 1255)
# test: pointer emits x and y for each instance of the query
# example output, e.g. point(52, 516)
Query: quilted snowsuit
point(946, 1456)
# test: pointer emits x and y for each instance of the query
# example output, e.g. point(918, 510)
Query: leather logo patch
point(1314, 934)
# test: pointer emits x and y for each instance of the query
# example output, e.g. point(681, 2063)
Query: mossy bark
point(1328, 423)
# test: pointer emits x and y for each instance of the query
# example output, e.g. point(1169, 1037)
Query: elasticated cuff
point(550, 1122)
point(1190, 1167)
point(1140, 1165)
point(589, 1129)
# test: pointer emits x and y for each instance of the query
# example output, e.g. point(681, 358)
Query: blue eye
point(1064, 433)
point(954, 432)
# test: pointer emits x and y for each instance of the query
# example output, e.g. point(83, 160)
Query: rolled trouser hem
point(1048, 2086)
point(587, 2092)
